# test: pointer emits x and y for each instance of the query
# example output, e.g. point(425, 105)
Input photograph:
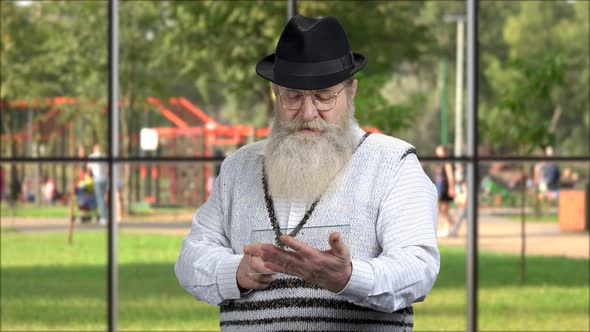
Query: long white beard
point(301, 167)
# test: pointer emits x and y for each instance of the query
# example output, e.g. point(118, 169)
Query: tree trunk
point(5, 119)
point(555, 119)
point(38, 173)
point(125, 199)
point(64, 177)
point(522, 225)
point(14, 184)
point(71, 187)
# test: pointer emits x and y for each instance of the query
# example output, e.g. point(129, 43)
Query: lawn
point(48, 285)
point(529, 217)
point(62, 211)
point(32, 210)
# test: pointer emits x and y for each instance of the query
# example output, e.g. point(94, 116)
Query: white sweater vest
point(290, 304)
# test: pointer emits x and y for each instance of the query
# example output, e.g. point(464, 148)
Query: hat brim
point(264, 68)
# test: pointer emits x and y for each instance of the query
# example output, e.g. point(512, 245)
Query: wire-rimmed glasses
point(324, 99)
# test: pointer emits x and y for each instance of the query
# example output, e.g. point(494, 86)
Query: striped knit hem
point(310, 314)
point(322, 323)
point(315, 320)
point(300, 302)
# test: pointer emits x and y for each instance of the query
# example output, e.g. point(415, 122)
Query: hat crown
point(307, 39)
point(312, 53)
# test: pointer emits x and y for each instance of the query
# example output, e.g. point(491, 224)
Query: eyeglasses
point(324, 100)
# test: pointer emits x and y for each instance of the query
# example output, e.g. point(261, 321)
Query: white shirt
point(99, 169)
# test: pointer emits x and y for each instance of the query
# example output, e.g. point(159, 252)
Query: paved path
point(542, 238)
point(496, 234)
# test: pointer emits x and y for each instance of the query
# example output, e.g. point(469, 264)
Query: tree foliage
point(539, 76)
point(525, 105)
point(207, 51)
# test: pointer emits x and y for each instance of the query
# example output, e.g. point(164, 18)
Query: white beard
point(301, 167)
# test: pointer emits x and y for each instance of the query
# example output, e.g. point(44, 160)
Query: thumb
point(337, 245)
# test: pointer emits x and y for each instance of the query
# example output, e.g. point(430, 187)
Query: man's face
point(309, 111)
point(309, 143)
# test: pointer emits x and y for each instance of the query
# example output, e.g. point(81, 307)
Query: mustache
point(316, 125)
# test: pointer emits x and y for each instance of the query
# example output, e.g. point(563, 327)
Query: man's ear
point(353, 87)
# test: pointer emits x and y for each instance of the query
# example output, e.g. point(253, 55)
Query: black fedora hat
point(312, 53)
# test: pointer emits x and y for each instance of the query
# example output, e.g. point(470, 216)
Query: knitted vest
point(291, 303)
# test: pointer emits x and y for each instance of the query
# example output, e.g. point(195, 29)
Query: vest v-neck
point(272, 212)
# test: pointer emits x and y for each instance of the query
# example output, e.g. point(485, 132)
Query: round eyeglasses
point(324, 100)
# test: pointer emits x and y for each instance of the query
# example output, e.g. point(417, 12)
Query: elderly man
point(316, 169)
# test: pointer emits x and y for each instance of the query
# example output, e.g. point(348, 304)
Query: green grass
point(7, 229)
point(548, 218)
point(146, 209)
point(60, 211)
point(32, 210)
point(49, 285)
point(554, 287)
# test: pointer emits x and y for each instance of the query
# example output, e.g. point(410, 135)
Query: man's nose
point(308, 110)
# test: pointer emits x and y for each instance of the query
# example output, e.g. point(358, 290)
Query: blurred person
point(99, 176)
point(15, 186)
point(461, 201)
point(316, 168)
point(84, 188)
point(83, 172)
point(119, 196)
point(566, 180)
point(85, 195)
point(575, 177)
point(48, 190)
point(27, 191)
point(445, 186)
point(82, 166)
point(546, 177)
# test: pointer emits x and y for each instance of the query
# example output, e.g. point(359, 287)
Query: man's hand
point(248, 281)
point(330, 269)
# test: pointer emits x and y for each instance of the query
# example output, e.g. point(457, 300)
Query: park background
point(187, 72)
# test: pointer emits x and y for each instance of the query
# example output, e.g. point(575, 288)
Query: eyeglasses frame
point(305, 93)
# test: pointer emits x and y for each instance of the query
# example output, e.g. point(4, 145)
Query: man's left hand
point(329, 269)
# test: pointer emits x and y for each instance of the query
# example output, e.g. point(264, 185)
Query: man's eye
point(293, 96)
point(324, 95)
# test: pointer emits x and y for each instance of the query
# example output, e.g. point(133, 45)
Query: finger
point(270, 249)
point(272, 254)
point(288, 263)
point(253, 249)
point(337, 245)
point(257, 266)
point(299, 246)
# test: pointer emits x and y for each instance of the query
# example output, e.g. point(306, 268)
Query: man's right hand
point(248, 281)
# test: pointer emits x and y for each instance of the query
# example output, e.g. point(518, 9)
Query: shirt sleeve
point(207, 265)
point(407, 268)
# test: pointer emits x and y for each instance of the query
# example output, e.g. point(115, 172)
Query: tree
point(535, 30)
point(225, 41)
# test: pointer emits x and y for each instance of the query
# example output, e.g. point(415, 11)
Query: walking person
point(461, 202)
point(99, 176)
point(445, 186)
